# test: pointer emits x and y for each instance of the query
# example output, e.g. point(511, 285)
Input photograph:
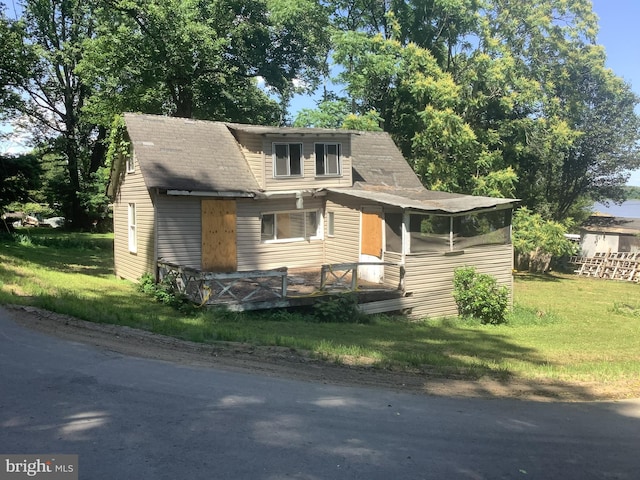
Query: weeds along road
point(128, 417)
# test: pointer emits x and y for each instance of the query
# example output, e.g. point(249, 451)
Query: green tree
point(335, 114)
point(191, 58)
point(16, 62)
point(54, 32)
point(499, 97)
point(536, 240)
point(18, 175)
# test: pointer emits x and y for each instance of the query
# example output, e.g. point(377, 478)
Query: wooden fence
point(613, 266)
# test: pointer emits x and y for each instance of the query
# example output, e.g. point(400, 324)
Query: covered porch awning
point(428, 201)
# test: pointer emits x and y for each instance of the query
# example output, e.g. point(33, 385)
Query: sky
point(619, 34)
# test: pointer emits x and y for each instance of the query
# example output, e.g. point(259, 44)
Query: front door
point(219, 252)
point(371, 245)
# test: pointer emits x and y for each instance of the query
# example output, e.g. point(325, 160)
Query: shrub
point(478, 295)
point(163, 292)
point(342, 308)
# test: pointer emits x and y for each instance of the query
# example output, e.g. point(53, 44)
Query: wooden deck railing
point(210, 288)
point(269, 287)
point(344, 276)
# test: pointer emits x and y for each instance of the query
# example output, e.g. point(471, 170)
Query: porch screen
point(429, 233)
point(489, 228)
point(393, 232)
point(437, 233)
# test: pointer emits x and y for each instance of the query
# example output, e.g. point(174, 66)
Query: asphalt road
point(131, 418)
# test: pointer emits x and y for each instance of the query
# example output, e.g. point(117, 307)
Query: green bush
point(342, 308)
point(163, 292)
point(479, 296)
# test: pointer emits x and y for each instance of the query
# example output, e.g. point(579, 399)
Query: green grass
point(563, 328)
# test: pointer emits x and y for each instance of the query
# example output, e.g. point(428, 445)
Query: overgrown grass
point(563, 328)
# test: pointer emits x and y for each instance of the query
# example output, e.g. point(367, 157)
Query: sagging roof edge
point(437, 207)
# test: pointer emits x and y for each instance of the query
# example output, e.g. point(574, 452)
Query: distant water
point(630, 208)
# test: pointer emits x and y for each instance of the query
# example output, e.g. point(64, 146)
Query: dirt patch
point(285, 362)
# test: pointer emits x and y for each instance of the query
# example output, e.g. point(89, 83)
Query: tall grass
point(563, 328)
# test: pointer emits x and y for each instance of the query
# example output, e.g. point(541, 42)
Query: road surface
point(134, 418)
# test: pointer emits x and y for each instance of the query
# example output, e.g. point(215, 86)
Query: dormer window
point(287, 159)
point(328, 160)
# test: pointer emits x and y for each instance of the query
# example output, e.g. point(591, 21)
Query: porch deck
point(277, 288)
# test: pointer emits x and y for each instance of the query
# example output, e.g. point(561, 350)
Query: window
point(287, 159)
point(131, 165)
point(331, 224)
point(298, 225)
point(133, 238)
point(328, 159)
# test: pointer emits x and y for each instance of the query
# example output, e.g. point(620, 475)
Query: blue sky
point(620, 36)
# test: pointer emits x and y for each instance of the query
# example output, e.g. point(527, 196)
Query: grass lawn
point(563, 328)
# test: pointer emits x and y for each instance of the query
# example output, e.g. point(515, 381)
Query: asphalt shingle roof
point(204, 156)
point(184, 154)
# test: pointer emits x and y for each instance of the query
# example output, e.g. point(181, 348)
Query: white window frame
point(132, 228)
point(324, 173)
point(288, 174)
point(274, 236)
point(331, 224)
point(131, 163)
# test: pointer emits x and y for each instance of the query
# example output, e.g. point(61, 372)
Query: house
point(223, 197)
point(607, 234)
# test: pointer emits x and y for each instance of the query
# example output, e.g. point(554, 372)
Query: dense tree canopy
point(493, 97)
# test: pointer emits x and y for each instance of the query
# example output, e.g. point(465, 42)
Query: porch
point(283, 287)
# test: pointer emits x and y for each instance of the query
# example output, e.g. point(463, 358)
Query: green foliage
point(17, 176)
point(163, 292)
point(479, 296)
point(532, 232)
point(632, 192)
point(342, 308)
point(529, 110)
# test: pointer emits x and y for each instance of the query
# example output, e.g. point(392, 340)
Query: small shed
point(607, 234)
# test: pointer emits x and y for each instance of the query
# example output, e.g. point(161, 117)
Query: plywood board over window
point(371, 235)
point(219, 250)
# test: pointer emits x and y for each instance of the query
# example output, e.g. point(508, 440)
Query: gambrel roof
point(177, 154)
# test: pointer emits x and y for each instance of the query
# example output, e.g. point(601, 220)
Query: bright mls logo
point(49, 467)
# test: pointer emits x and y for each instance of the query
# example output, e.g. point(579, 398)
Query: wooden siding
point(392, 274)
point(127, 264)
point(179, 233)
point(429, 280)
point(252, 149)
point(344, 246)
point(258, 150)
point(253, 254)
